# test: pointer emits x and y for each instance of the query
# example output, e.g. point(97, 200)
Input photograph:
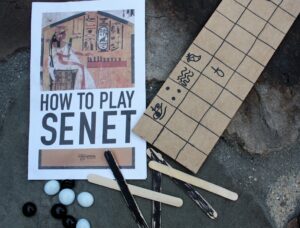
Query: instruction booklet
point(87, 88)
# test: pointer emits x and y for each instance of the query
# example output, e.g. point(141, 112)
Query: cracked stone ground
point(258, 155)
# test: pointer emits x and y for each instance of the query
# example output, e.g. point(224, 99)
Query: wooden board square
point(169, 143)
point(230, 55)
point(231, 9)
point(196, 58)
point(206, 89)
point(250, 69)
point(218, 72)
point(184, 75)
point(241, 39)
point(219, 24)
point(204, 139)
point(282, 20)
point(244, 2)
point(261, 52)
point(191, 157)
point(251, 22)
point(181, 125)
point(271, 36)
point(228, 103)
point(291, 6)
point(172, 92)
point(277, 2)
point(147, 128)
point(263, 9)
point(208, 41)
point(239, 86)
point(197, 110)
point(159, 110)
point(215, 121)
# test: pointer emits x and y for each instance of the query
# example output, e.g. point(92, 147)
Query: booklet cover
point(87, 88)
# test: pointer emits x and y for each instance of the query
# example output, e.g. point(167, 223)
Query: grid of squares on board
point(214, 76)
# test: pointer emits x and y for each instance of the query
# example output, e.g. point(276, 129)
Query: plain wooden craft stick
point(193, 180)
point(135, 190)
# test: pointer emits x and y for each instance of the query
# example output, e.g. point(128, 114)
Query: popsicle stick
point(188, 189)
point(138, 191)
point(130, 201)
point(193, 181)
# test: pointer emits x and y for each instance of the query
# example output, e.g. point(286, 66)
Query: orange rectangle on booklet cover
point(84, 158)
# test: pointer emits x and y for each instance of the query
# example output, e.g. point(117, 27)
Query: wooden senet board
point(204, 91)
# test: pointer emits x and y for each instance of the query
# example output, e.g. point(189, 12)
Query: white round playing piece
point(51, 187)
point(66, 196)
point(83, 223)
point(85, 199)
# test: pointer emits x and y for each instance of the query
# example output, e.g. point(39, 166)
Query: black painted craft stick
point(156, 206)
point(187, 188)
point(130, 201)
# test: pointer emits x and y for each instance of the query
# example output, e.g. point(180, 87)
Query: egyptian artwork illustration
point(87, 50)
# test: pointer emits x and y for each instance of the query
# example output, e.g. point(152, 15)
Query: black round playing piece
point(67, 184)
point(69, 221)
point(29, 209)
point(59, 211)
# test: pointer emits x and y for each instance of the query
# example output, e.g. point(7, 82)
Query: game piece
point(137, 191)
point(52, 187)
point(85, 199)
point(156, 206)
point(194, 181)
point(130, 201)
point(186, 187)
point(59, 211)
point(67, 184)
point(69, 221)
point(206, 88)
point(29, 209)
point(66, 196)
point(83, 223)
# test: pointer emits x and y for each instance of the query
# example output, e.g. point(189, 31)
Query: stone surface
point(171, 27)
point(270, 116)
point(15, 21)
point(283, 197)
point(270, 119)
point(258, 156)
